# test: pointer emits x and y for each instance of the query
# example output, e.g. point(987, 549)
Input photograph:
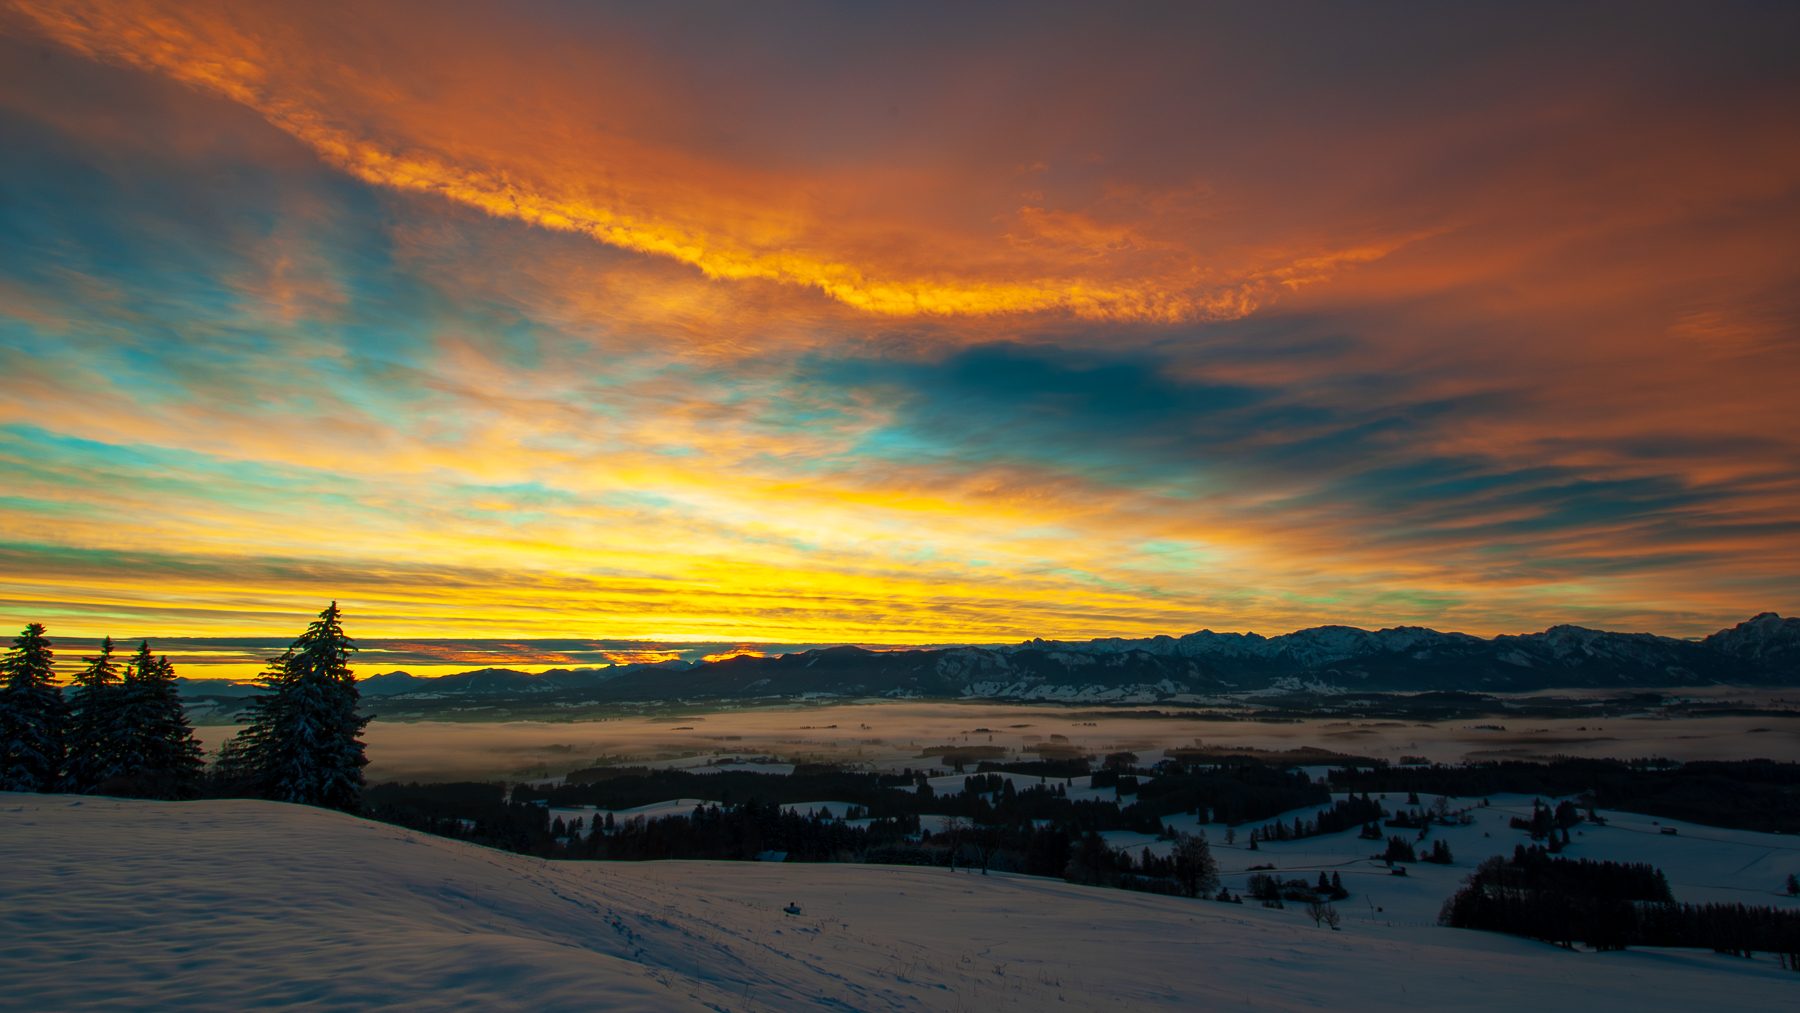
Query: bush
point(1264, 888)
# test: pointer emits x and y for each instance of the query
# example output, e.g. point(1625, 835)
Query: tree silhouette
point(33, 715)
point(301, 743)
point(1195, 870)
point(155, 744)
point(96, 729)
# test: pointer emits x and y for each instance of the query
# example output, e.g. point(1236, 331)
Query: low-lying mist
point(902, 734)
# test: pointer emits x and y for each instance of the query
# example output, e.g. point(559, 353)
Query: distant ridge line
point(1324, 660)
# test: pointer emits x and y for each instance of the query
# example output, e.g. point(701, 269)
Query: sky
point(242, 659)
point(897, 324)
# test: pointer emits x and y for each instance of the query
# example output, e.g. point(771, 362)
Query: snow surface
point(232, 905)
point(1703, 864)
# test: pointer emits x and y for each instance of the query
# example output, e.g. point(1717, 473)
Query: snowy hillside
point(234, 905)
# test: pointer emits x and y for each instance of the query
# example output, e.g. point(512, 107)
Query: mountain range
point(1325, 660)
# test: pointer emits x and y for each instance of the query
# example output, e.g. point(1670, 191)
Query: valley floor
point(238, 905)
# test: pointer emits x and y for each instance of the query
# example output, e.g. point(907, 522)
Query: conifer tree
point(301, 742)
point(154, 734)
point(243, 756)
point(133, 712)
point(234, 768)
point(94, 729)
point(177, 748)
point(33, 715)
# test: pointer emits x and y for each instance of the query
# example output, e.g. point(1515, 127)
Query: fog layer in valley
point(896, 734)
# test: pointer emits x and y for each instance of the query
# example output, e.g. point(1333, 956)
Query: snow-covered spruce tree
point(176, 749)
point(133, 713)
point(34, 718)
point(242, 759)
point(302, 740)
point(156, 743)
point(94, 729)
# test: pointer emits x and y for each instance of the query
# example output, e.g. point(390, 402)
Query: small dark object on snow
point(1398, 870)
point(1668, 830)
point(792, 908)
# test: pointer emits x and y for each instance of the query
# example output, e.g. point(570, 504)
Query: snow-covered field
point(238, 905)
point(1703, 864)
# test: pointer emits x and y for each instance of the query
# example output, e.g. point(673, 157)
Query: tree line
point(749, 828)
point(122, 729)
point(1760, 795)
point(1610, 906)
point(1343, 815)
point(987, 798)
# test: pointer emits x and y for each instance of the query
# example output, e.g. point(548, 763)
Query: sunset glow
point(894, 325)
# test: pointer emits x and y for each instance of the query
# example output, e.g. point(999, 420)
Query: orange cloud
point(640, 657)
point(1573, 290)
point(736, 652)
point(308, 78)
